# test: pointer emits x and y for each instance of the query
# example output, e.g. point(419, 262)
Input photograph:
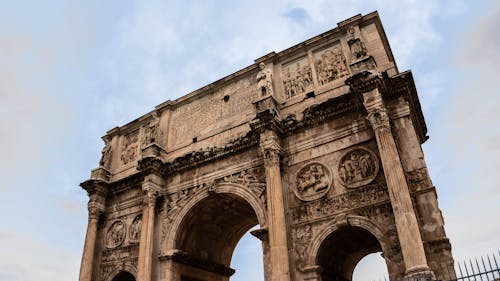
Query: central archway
point(124, 276)
point(209, 232)
point(341, 251)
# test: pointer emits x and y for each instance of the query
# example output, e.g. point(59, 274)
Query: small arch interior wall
point(342, 250)
point(211, 230)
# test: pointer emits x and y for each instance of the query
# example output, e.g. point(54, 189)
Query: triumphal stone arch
point(318, 145)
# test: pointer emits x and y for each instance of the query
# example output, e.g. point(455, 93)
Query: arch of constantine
point(319, 145)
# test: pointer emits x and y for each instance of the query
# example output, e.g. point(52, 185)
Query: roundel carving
point(312, 182)
point(115, 235)
point(358, 167)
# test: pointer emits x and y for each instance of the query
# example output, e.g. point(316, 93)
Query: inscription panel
point(212, 111)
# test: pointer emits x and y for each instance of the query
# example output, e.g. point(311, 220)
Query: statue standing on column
point(265, 80)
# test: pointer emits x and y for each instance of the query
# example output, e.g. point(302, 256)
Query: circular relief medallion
point(313, 181)
point(135, 229)
point(115, 235)
point(358, 167)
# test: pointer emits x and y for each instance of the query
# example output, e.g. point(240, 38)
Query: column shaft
point(278, 245)
point(146, 241)
point(88, 250)
point(406, 220)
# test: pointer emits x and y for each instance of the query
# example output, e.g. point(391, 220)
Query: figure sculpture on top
point(265, 80)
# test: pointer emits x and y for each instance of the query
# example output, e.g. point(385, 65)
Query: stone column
point(96, 205)
point(151, 190)
point(406, 220)
point(277, 229)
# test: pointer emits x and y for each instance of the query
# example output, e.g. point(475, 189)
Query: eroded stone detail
point(150, 131)
point(115, 234)
point(330, 65)
point(358, 167)
point(312, 181)
point(324, 207)
point(253, 179)
point(129, 148)
point(105, 155)
point(265, 81)
point(135, 229)
point(297, 78)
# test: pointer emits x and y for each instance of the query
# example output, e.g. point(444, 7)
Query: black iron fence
point(479, 269)
point(485, 268)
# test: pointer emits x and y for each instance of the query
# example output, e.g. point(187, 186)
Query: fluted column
point(406, 220)
point(151, 191)
point(97, 197)
point(278, 248)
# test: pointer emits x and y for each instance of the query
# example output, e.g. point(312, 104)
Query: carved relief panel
point(312, 182)
point(330, 64)
point(130, 144)
point(358, 167)
point(297, 77)
point(135, 229)
point(115, 234)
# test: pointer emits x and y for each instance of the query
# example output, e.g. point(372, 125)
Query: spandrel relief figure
point(265, 80)
point(358, 167)
point(313, 181)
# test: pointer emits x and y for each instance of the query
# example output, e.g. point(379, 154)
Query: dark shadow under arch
point(341, 251)
point(124, 276)
point(213, 227)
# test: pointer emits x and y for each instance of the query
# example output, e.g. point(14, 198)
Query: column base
point(424, 275)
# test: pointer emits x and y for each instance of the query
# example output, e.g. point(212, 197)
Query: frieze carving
point(129, 148)
point(135, 229)
point(264, 81)
point(196, 157)
point(312, 182)
point(326, 206)
point(303, 234)
point(115, 234)
point(330, 65)
point(120, 254)
point(297, 79)
point(358, 167)
point(150, 131)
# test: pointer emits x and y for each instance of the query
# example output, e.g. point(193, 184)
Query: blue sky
point(71, 70)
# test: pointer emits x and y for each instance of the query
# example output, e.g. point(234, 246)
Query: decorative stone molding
point(115, 234)
point(357, 167)
point(313, 181)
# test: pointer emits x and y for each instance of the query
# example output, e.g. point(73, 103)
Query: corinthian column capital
point(377, 112)
point(271, 147)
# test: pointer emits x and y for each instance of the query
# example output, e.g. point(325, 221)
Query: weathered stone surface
point(319, 144)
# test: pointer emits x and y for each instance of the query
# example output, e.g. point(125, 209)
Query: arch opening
point(124, 276)
point(342, 250)
point(209, 233)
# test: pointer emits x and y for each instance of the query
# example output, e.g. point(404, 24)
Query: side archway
point(341, 245)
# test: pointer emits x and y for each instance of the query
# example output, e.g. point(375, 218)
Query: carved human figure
point(265, 80)
point(116, 234)
point(358, 49)
point(313, 181)
point(357, 167)
point(106, 155)
point(135, 229)
point(151, 131)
